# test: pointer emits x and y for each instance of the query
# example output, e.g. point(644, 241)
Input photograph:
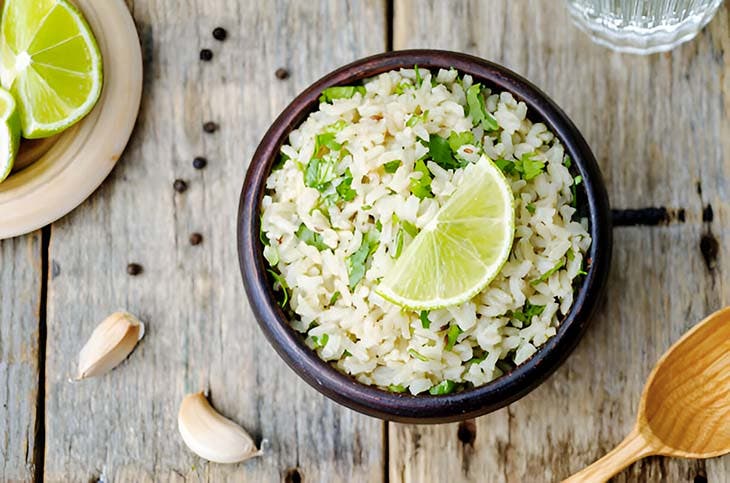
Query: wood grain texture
point(200, 332)
point(20, 298)
point(659, 127)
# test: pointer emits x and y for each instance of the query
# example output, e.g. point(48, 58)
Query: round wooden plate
point(69, 169)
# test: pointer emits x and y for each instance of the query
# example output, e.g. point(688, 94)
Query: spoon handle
point(632, 448)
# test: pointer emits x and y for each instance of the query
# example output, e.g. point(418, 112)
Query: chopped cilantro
point(398, 243)
point(505, 165)
point(425, 323)
point(443, 388)
point(311, 238)
point(321, 341)
point(440, 151)
point(336, 127)
point(392, 166)
point(528, 167)
point(560, 264)
point(410, 228)
point(421, 187)
point(416, 118)
point(451, 335)
point(340, 92)
point(567, 162)
point(527, 313)
point(477, 359)
point(326, 140)
point(335, 297)
point(581, 272)
point(477, 109)
point(366, 207)
point(320, 172)
point(457, 140)
point(346, 353)
point(356, 262)
point(402, 86)
point(577, 180)
point(569, 254)
point(344, 189)
point(418, 355)
point(396, 388)
point(531, 208)
point(278, 279)
point(419, 79)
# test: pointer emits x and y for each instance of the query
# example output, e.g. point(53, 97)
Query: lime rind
point(45, 78)
point(9, 133)
point(461, 250)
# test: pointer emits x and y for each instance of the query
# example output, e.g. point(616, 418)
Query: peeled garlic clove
point(212, 436)
point(110, 343)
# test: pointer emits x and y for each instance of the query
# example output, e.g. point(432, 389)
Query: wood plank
point(20, 296)
point(200, 331)
point(658, 126)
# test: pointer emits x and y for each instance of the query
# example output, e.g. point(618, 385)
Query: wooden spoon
point(685, 407)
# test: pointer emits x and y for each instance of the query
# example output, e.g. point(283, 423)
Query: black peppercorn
point(134, 269)
point(199, 162)
point(210, 127)
point(196, 239)
point(281, 73)
point(219, 33)
point(180, 185)
point(206, 55)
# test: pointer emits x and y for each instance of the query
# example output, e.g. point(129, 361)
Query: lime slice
point(461, 250)
point(9, 133)
point(50, 63)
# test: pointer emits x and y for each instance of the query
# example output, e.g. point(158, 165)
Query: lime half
point(461, 250)
point(50, 63)
point(9, 133)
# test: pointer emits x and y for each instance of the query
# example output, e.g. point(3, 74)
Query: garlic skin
point(110, 343)
point(212, 436)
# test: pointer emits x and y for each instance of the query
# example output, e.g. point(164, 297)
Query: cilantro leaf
point(560, 264)
point(321, 341)
point(527, 313)
point(398, 244)
point(410, 228)
point(335, 297)
point(396, 388)
point(531, 208)
point(326, 140)
point(340, 92)
point(457, 140)
point(529, 168)
point(477, 109)
point(425, 323)
point(416, 118)
point(392, 166)
point(402, 87)
point(418, 355)
point(278, 279)
point(440, 151)
point(451, 336)
point(311, 238)
point(419, 79)
point(567, 162)
point(505, 165)
point(421, 187)
point(357, 261)
point(443, 388)
point(344, 189)
point(320, 172)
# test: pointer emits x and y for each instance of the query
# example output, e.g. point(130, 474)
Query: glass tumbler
point(642, 26)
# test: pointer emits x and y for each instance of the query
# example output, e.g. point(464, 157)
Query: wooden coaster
point(56, 176)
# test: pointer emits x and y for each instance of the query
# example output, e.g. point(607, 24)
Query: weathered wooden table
point(660, 128)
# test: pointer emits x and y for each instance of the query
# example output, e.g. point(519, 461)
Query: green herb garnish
point(346, 353)
point(418, 355)
point(439, 150)
point(452, 335)
point(398, 243)
point(419, 79)
point(457, 140)
point(421, 187)
point(335, 297)
point(396, 388)
point(443, 388)
point(410, 228)
point(477, 108)
point(321, 341)
point(340, 92)
point(425, 323)
point(344, 189)
point(527, 313)
point(282, 284)
point(320, 172)
point(531, 208)
point(311, 238)
point(505, 165)
point(416, 118)
point(567, 162)
point(560, 264)
point(392, 166)
point(357, 261)
point(529, 168)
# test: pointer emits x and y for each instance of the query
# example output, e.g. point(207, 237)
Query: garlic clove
point(212, 436)
point(110, 343)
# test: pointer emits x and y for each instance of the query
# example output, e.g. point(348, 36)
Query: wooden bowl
point(592, 204)
point(54, 176)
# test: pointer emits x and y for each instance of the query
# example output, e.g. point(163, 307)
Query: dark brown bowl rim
point(425, 408)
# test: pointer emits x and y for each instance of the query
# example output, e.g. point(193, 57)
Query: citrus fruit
point(9, 133)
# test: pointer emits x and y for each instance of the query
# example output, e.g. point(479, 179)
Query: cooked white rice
point(362, 334)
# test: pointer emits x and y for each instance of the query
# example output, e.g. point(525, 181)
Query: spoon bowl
point(685, 407)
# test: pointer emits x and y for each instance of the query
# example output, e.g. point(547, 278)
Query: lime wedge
point(51, 64)
point(461, 250)
point(9, 133)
